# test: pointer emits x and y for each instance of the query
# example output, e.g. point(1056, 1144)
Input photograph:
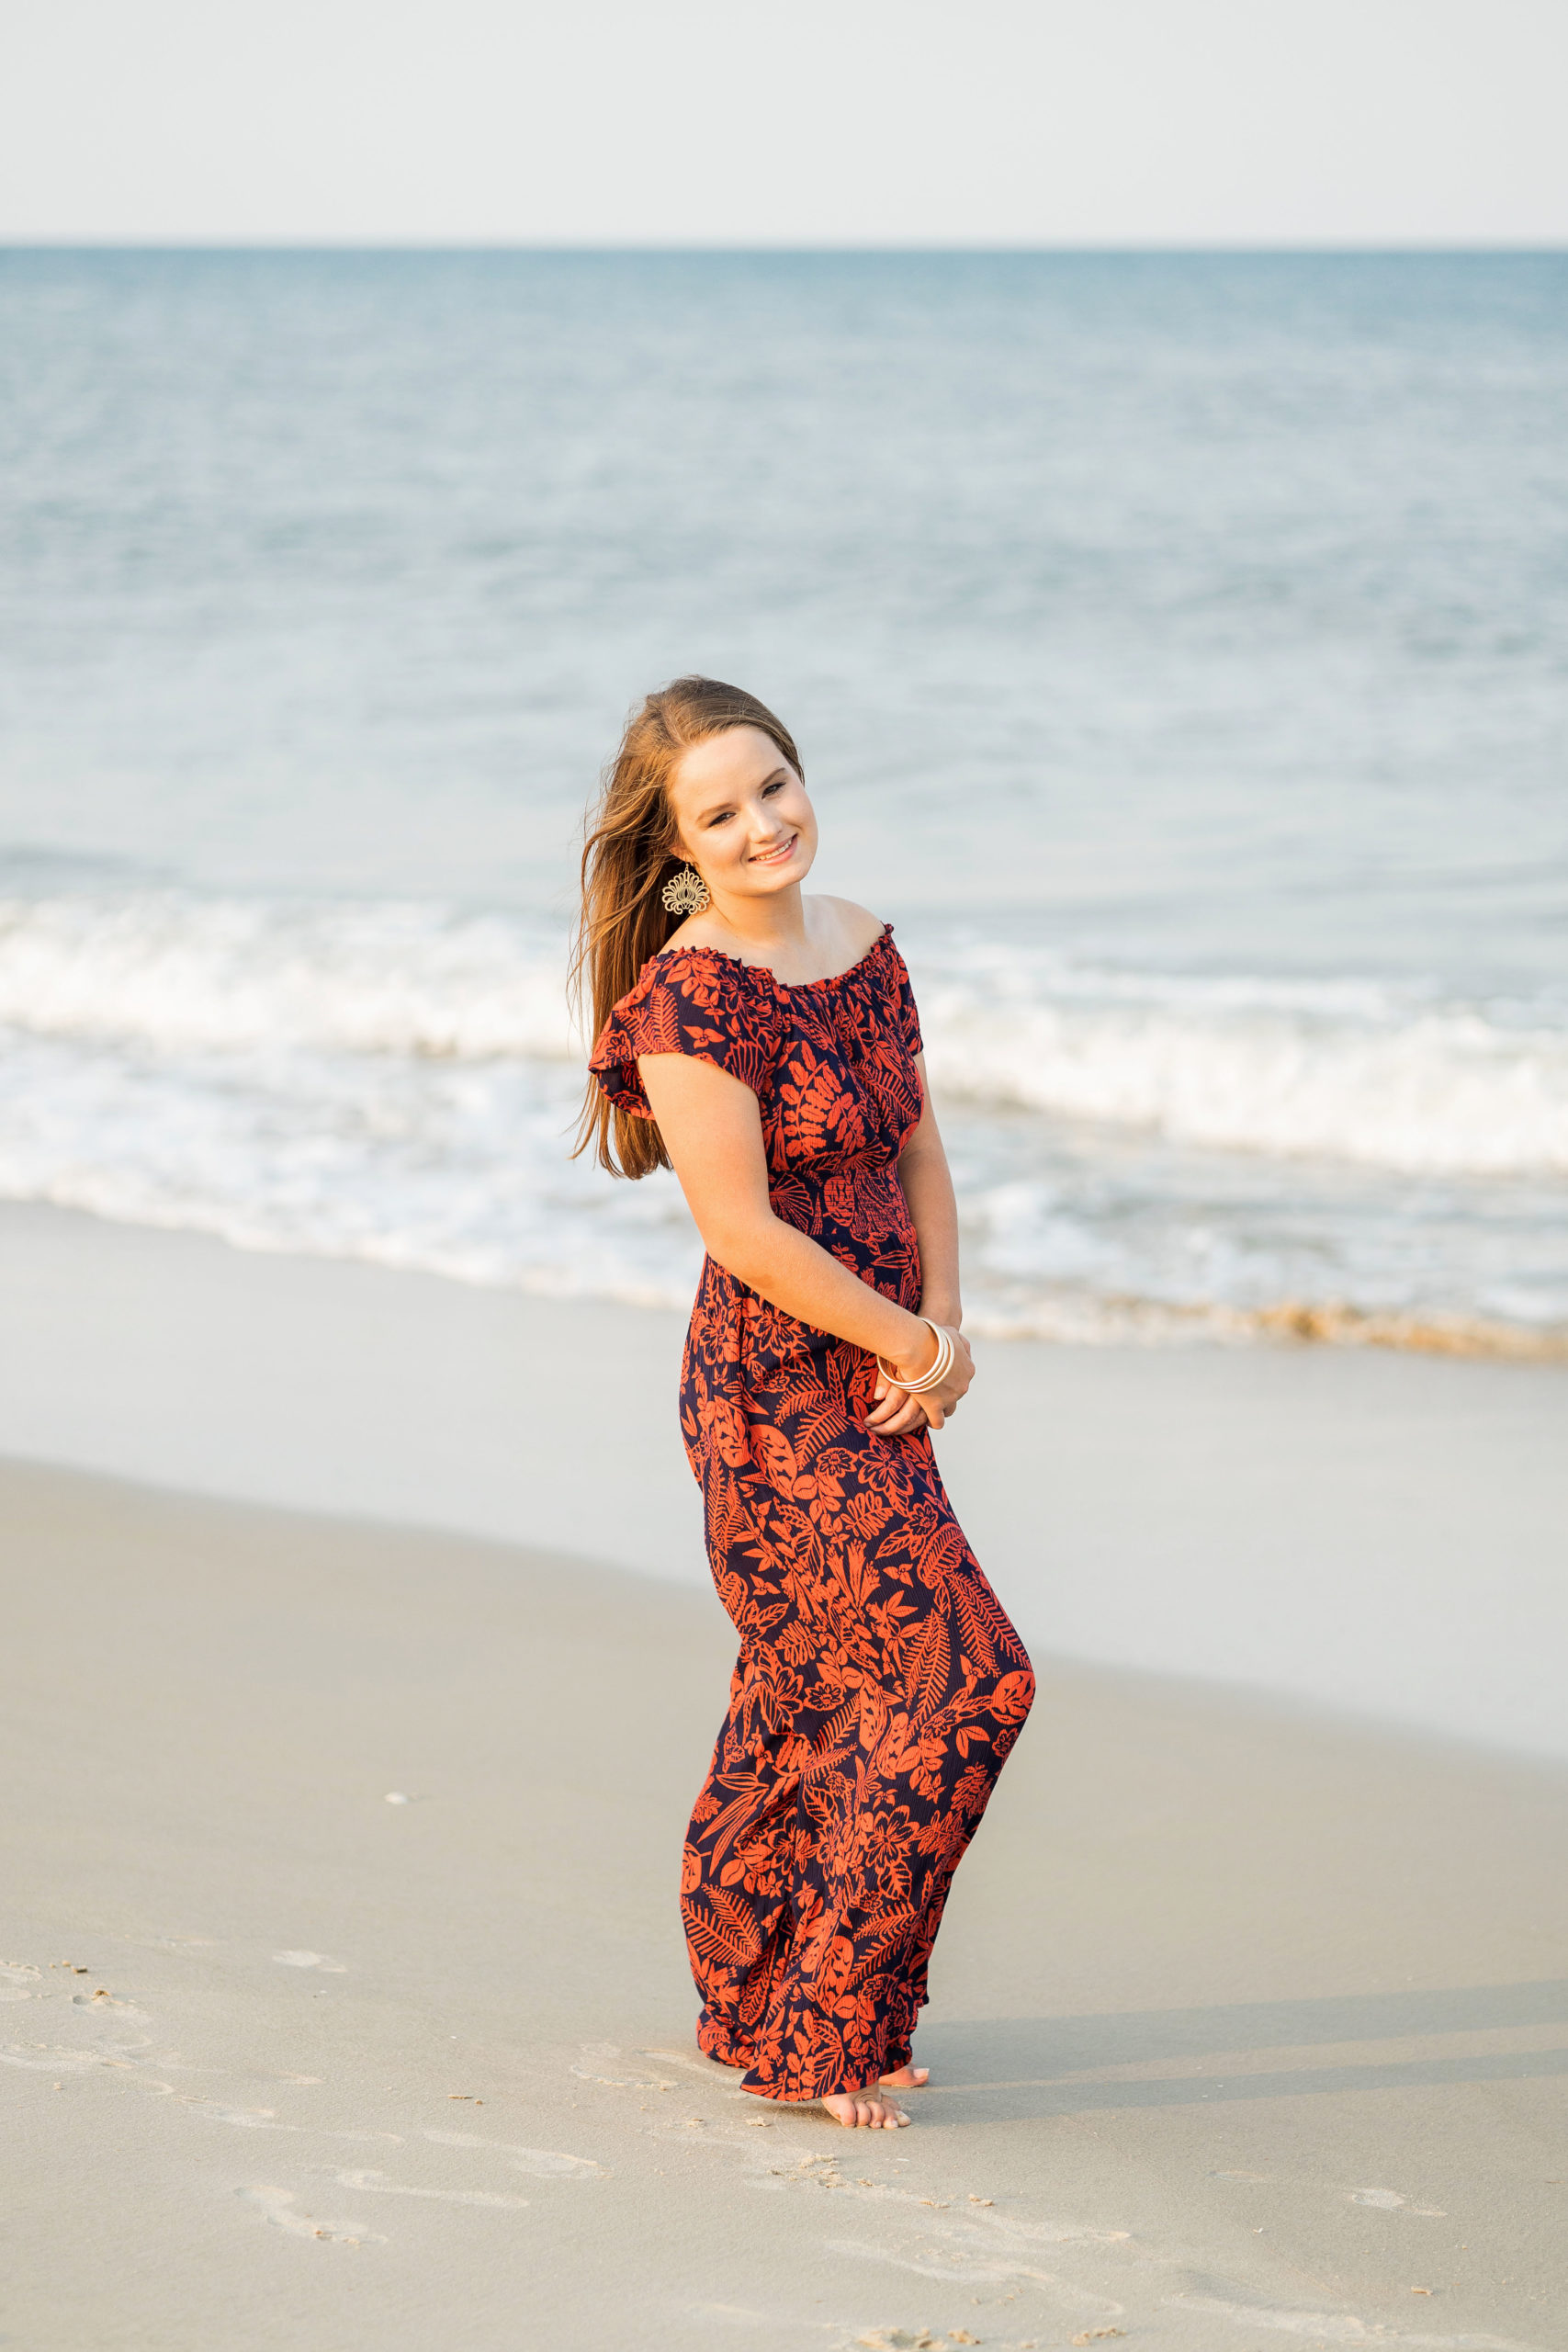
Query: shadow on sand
point(1019, 2068)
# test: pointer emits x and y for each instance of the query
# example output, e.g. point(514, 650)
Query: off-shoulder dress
point(879, 1685)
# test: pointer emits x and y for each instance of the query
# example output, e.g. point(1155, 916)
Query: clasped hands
point(896, 1412)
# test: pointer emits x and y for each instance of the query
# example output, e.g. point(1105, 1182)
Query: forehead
point(734, 763)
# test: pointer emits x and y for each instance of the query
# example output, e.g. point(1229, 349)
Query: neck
point(765, 925)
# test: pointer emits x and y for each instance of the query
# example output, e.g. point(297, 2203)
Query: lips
point(773, 856)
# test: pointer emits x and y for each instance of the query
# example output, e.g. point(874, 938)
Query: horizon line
point(1434, 248)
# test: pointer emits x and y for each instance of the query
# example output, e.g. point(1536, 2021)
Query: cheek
point(709, 850)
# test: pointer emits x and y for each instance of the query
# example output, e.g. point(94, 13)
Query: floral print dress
point(879, 1685)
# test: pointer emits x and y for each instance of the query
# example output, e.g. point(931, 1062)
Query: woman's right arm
point(713, 1131)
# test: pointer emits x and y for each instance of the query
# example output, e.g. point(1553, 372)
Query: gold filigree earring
point(686, 893)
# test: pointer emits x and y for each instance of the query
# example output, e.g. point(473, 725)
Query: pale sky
point(722, 122)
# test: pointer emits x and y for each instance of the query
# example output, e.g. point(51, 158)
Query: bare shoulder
point(697, 930)
point(855, 928)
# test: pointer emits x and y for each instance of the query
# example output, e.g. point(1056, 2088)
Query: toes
point(872, 2114)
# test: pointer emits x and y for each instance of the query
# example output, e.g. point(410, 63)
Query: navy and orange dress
point(879, 1685)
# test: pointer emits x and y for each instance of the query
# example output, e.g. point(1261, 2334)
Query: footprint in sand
point(953, 2268)
point(265, 2118)
point(1382, 2200)
point(722, 2078)
point(248, 2119)
point(278, 2206)
point(1388, 2200)
point(43, 2060)
point(1333, 2327)
point(321, 1959)
point(18, 1978)
point(601, 2054)
point(103, 2000)
point(542, 2163)
point(376, 2183)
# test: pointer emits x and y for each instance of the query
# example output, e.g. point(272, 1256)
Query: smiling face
point(741, 815)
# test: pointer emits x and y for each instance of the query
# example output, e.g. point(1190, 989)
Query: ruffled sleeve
point(690, 1000)
point(903, 997)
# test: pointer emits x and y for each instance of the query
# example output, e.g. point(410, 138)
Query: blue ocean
point(1178, 650)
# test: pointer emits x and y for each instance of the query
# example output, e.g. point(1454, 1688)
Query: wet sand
point(1375, 1531)
point(1249, 2024)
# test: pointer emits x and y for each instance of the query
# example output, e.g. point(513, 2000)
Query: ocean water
point(1176, 646)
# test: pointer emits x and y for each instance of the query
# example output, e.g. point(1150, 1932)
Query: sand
point(1249, 2024)
point(1368, 1531)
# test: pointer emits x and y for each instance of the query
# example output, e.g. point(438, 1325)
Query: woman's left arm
point(927, 1187)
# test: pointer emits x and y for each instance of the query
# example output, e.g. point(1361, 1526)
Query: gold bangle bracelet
point(940, 1368)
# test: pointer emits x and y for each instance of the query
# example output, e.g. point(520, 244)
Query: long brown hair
point(628, 855)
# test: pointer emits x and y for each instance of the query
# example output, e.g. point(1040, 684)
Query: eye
point(777, 785)
point(722, 818)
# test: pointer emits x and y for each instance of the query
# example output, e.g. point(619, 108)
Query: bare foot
point(867, 2107)
point(907, 2078)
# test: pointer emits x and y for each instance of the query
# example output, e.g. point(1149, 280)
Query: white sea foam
point(1349, 1070)
point(171, 971)
point(1138, 1155)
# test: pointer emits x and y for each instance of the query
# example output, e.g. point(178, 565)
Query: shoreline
point(1384, 1534)
point(1114, 1319)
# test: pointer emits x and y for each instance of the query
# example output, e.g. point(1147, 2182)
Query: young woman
point(767, 1048)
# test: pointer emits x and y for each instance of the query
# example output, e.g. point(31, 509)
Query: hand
point(896, 1412)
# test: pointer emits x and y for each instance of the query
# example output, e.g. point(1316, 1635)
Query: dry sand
point(1249, 2028)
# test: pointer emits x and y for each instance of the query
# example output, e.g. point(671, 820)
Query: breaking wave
point(175, 972)
point(1139, 1156)
point(1350, 1071)
point(1358, 1071)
